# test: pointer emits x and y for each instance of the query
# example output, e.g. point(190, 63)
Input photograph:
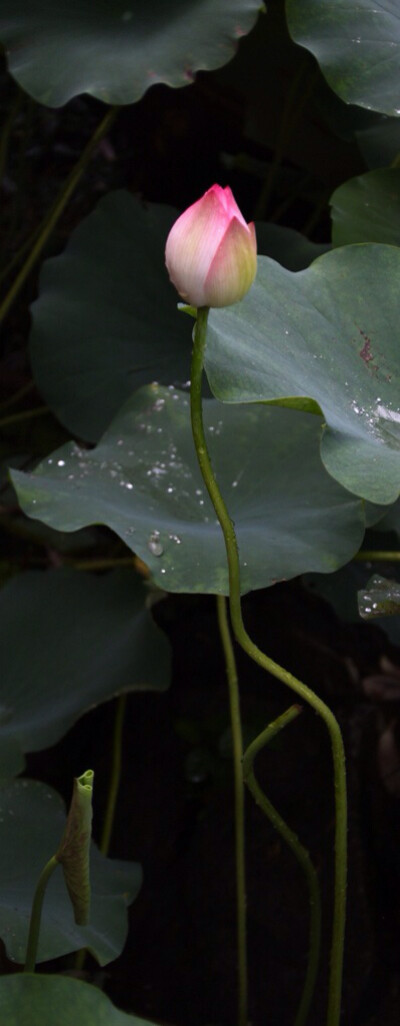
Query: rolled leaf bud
point(74, 850)
point(211, 253)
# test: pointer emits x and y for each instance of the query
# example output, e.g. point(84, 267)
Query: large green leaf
point(32, 822)
point(85, 639)
point(331, 333)
point(39, 1000)
point(357, 44)
point(367, 209)
point(143, 481)
point(117, 50)
point(106, 321)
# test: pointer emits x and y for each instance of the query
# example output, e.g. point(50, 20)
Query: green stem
point(16, 398)
point(369, 556)
point(18, 418)
point(300, 853)
point(36, 914)
point(236, 725)
point(304, 692)
point(112, 796)
point(115, 779)
point(5, 135)
point(51, 219)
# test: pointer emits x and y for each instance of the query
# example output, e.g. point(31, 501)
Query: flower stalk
point(300, 689)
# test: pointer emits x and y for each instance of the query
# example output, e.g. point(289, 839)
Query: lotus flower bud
point(211, 253)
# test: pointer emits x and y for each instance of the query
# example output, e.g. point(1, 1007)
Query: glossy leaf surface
point(116, 51)
point(32, 822)
point(143, 481)
point(329, 333)
point(357, 44)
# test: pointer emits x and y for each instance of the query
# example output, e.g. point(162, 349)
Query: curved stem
point(237, 741)
point(298, 850)
point(304, 692)
point(55, 212)
point(36, 914)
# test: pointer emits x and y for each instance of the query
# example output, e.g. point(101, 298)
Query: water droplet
point(175, 538)
point(154, 545)
point(61, 463)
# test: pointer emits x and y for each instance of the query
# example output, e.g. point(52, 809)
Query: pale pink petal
point(231, 207)
point(234, 266)
point(192, 244)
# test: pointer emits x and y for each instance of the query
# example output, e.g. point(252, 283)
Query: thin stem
point(53, 216)
point(5, 135)
point(115, 778)
point(18, 418)
point(17, 396)
point(298, 850)
point(236, 725)
point(371, 555)
point(112, 796)
point(36, 914)
point(304, 692)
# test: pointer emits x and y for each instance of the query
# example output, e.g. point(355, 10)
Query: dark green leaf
point(357, 44)
point(143, 481)
point(288, 247)
point(106, 319)
point(380, 142)
point(367, 209)
point(85, 639)
point(117, 50)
